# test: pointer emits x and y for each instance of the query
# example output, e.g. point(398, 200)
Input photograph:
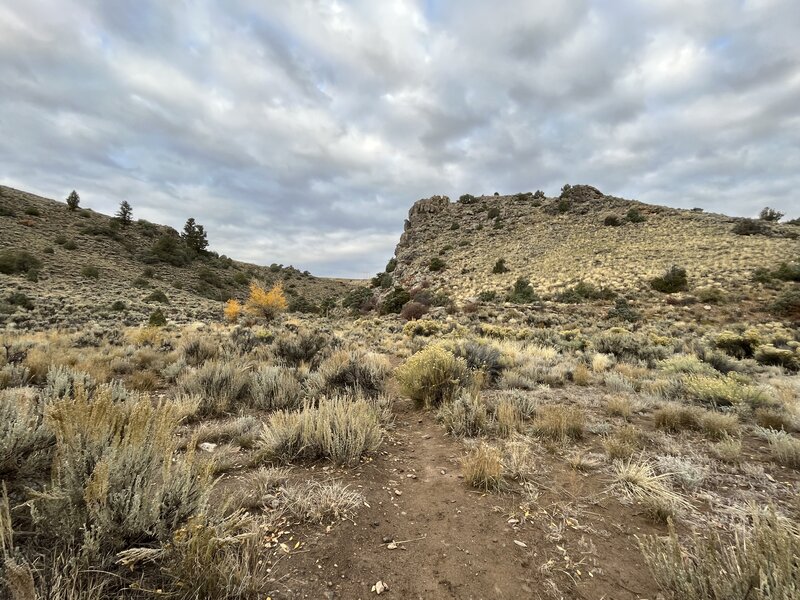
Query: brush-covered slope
point(582, 235)
point(90, 269)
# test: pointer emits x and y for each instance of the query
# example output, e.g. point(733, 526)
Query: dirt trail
point(463, 546)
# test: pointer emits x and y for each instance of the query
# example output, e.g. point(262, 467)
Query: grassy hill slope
point(84, 263)
point(582, 235)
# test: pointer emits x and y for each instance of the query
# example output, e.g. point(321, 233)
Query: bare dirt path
point(463, 544)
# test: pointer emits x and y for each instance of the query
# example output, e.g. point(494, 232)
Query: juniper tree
point(124, 214)
point(73, 200)
point(194, 236)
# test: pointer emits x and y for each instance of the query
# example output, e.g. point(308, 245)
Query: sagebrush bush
point(13, 262)
point(481, 357)
point(26, 443)
point(341, 428)
point(353, 370)
point(760, 561)
point(303, 347)
point(220, 385)
point(466, 416)
point(625, 345)
point(275, 388)
point(723, 391)
point(433, 376)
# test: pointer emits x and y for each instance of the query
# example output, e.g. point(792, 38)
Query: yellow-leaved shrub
point(266, 304)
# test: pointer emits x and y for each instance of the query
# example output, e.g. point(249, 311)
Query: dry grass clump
point(676, 417)
point(685, 364)
point(518, 458)
point(466, 416)
point(759, 562)
point(242, 431)
point(483, 467)
point(639, 481)
point(317, 502)
point(686, 473)
point(775, 419)
point(432, 376)
point(784, 448)
point(559, 423)
point(259, 489)
point(509, 419)
point(340, 428)
point(624, 442)
point(275, 388)
point(219, 385)
point(581, 375)
point(728, 449)
point(620, 406)
point(601, 362)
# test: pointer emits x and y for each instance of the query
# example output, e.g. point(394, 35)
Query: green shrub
point(739, 345)
point(359, 299)
point(634, 215)
point(118, 305)
point(770, 214)
point(493, 213)
point(583, 291)
point(787, 304)
point(49, 250)
point(522, 292)
point(612, 221)
point(710, 295)
point(487, 296)
point(70, 245)
point(157, 318)
point(500, 267)
point(624, 311)
point(394, 301)
point(61, 239)
point(382, 280)
point(157, 296)
point(672, 281)
point(432, 376)
point(19, 299)
point(90, 272)
point(391, 265)
point(750, 227)
point(73, 200)
point(13, 262)
point(6, 212)
point(436, 264)
point(33, 211)
point(170, 249)
point(563, 206)
point(467, 199)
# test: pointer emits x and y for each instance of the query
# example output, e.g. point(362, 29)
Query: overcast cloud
point(301, 131)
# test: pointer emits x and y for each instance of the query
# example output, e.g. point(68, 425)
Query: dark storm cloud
point(301, 132)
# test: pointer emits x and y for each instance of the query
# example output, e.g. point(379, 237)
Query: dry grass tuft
point(639, 481)
point(483, 467)
point(620, 406)
point(559, 423)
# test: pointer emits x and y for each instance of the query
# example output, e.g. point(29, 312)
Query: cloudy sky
point(301, 131)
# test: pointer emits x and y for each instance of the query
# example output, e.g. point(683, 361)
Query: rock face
point(434, 204)
point(420, 208)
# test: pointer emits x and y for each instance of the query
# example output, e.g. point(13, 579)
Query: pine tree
point(194, 236)
point(124, 214)
point(73, 200)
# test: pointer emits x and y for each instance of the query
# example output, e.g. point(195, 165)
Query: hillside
point(84, 263)
point(583, 235)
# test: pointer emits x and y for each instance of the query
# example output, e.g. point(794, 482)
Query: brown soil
point(578, 541)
